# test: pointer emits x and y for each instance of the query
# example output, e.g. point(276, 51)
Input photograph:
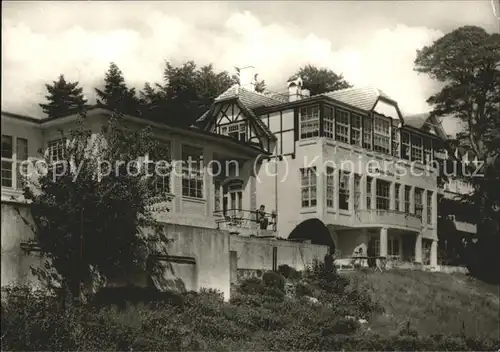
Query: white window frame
point(417, 149)
point(309, 121)
point(381, 135)
point(55, 149)
point(369, 180)
point(236, 130)
point(192, 175)
point(419, 205)
point(428, 150)
point(396, 142)
point(405, 145)
point(329, 122)
point(357, 191)
point(397, 190)
point(344, 178)
point(162, 183)
point(341, 125)
point(382, 194)
point(367, 132)
point(407, 201)
point(330, 187)
point(14, 162)
point(308, 187)
point(233, 196)
point(429, 195)
point(356, 131)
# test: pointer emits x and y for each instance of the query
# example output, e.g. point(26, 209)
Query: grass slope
point(433, 302)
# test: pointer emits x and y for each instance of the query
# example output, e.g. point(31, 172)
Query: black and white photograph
point(250, 175)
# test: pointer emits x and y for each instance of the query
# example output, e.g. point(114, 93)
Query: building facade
point(348, 158)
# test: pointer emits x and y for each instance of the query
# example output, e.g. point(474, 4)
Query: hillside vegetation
point(315, 310)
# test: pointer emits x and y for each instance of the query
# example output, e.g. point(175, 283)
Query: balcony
point(391, 218)
point(245, 222)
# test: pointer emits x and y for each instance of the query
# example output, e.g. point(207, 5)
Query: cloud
point(32, 56)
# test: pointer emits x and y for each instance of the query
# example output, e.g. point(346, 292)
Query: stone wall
point(194, 258)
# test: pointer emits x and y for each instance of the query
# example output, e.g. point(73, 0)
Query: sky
point(370, 43)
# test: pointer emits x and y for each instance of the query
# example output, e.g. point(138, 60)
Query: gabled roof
point(247, 101)
point(424, 122)
point(417, 120)
point(363, 98)
point(250, 99)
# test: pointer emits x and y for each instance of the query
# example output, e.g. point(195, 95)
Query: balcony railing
point(245, 221)
point(389, 217)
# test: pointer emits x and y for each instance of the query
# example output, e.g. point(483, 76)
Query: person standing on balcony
point(262, 218)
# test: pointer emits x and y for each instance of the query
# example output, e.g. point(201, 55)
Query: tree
point(64, 98)
point(320, 80)
point(116, 95)
point(92, 207)
point(188, 91)
point(465, 62)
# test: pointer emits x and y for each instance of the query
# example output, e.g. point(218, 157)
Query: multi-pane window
point(330, 187)
point(356, 129)
point(418, 202)
point(405, 145)
point(383, 195)
point(13, 168)
point(237, 131)
point(342, 125)
point(233, 192)
point(160, 167)
point(393, 247)
point(397, 189)
point(308, 183)
point(407, 199)
point(309, 121)
point(344, 190)
point(367, 132)
point(357, 191)
point(381, 134)
point(369, 192)
point(56, 150)
point(429, 207)
point(192, 174)
point(395, 141)
point(427, 150)
point(7, 160)
point(416, 148)
point(21, 155)
point(329, 122)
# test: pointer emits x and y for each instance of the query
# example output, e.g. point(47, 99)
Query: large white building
point(347, 158)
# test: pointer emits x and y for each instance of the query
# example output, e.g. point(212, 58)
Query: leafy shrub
point(274, 280)
point(302, 289)
point(251, 285)
point(288, 272)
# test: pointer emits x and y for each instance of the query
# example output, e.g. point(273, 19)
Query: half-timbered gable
point(232, 115)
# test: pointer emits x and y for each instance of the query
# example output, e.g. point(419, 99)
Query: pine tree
point(116, 95)
point(64, 98)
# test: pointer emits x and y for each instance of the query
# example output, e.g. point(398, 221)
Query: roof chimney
point(247, 77)
point(294, 89)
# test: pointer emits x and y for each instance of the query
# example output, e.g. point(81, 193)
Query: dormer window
point(309, 122)
point(237, 131)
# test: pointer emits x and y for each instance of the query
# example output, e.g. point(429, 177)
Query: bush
point(274, 280)
point(289, 273)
